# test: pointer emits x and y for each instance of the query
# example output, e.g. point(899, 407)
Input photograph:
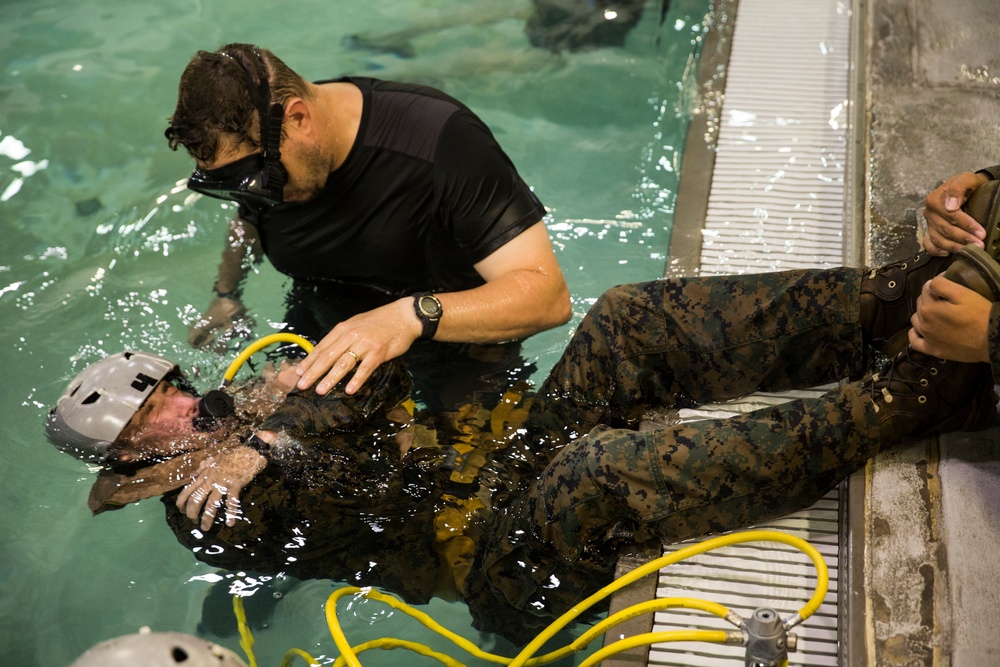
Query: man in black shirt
point(391, 206)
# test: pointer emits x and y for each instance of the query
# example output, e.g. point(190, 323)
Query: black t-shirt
point(425, 193)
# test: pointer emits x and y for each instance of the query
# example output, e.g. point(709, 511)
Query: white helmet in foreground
point(158, 649)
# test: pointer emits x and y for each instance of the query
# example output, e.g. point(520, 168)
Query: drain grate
point(776, 202)
point(777, 195)
point(745, 577)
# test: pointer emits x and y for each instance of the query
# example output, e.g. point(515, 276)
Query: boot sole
point(984, 206)
point(985, 268)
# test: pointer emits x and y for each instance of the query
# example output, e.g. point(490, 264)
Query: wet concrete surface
point(932, 515)
point(934, 86)
point(921, 544)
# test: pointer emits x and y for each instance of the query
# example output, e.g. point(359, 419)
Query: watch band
point(428, 309)
point(256, 442)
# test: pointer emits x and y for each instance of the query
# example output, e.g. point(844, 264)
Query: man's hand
point(218, 481)
point(949, 228)
point(951, 322)
point(524, 293)
point(281, 378)
point(361, 343)
point(223, 314)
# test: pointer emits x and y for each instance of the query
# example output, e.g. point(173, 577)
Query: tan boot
point(984, 206)
point(974, 268)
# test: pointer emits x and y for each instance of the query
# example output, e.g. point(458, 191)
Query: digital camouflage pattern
point(521, 510)
point(672, 344)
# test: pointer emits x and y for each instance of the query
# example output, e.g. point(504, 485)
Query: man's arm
point(525, 293)
point(226, 308)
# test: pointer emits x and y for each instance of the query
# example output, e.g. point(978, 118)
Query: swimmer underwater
point(521, 513)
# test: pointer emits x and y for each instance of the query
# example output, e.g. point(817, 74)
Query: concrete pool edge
point(907, 136)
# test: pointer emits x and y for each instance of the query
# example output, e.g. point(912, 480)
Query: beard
point(157, 442)
point(316, 171)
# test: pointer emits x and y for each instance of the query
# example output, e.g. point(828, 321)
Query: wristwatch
point(429, 312)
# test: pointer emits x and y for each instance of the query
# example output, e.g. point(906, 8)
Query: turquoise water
point(102, 250)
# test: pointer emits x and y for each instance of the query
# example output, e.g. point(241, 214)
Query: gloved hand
point(226, 316)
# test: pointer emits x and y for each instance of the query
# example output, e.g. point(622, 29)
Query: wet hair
point(214, 99)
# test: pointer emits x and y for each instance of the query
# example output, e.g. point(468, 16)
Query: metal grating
point(776, 202)
point(748, 576)
point(777, 197)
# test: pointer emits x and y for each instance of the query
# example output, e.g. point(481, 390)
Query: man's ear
point(298, 116)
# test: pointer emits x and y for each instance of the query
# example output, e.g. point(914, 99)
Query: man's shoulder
point(410, 118)
point(415, 102)
point(408, 88)
point(390, 89)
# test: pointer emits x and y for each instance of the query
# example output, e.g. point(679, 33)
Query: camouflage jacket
point(359, 490)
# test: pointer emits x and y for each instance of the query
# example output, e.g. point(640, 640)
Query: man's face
point(306, 168)
point(163, 426)
point(167, 406)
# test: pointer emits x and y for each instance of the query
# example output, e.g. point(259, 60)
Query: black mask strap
point(271, 117)
point(274, 172)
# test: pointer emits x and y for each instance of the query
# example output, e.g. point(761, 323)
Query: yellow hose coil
point(259, 345)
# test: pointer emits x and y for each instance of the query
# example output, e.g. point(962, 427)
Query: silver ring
point(351, 352)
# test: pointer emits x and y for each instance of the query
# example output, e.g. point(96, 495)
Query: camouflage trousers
point(669, 344)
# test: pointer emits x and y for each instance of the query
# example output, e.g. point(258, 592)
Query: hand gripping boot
point(889, 297)
point(916, 394)
point(889, 294)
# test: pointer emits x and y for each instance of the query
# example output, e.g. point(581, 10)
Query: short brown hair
point(213, 98)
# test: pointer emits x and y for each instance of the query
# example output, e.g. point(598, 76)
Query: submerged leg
point(671, 343)
point(559, 542)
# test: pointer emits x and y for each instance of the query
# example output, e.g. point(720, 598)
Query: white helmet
point(158, 649)
point(101, 400)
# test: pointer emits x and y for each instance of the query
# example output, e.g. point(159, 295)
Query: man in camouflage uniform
point(691, 341)
point(660, 344)
point(536, 523)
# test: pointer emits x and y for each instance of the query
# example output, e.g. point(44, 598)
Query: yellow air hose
point(822, 581)
point(348, 654)
point(739, 637)
point(259, 345)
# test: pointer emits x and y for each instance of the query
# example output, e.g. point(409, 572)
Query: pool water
point(104, 249)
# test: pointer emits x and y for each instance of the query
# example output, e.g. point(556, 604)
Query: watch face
point(430, 307)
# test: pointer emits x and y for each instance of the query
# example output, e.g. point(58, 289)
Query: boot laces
point(890, 376)
point(902, 266)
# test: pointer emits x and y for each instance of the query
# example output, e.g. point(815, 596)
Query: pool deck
point(931, 514)
point(924, 519)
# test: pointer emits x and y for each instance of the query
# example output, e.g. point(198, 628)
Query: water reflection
point(95, 244)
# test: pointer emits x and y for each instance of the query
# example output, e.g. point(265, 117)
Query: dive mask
point(256, 180)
